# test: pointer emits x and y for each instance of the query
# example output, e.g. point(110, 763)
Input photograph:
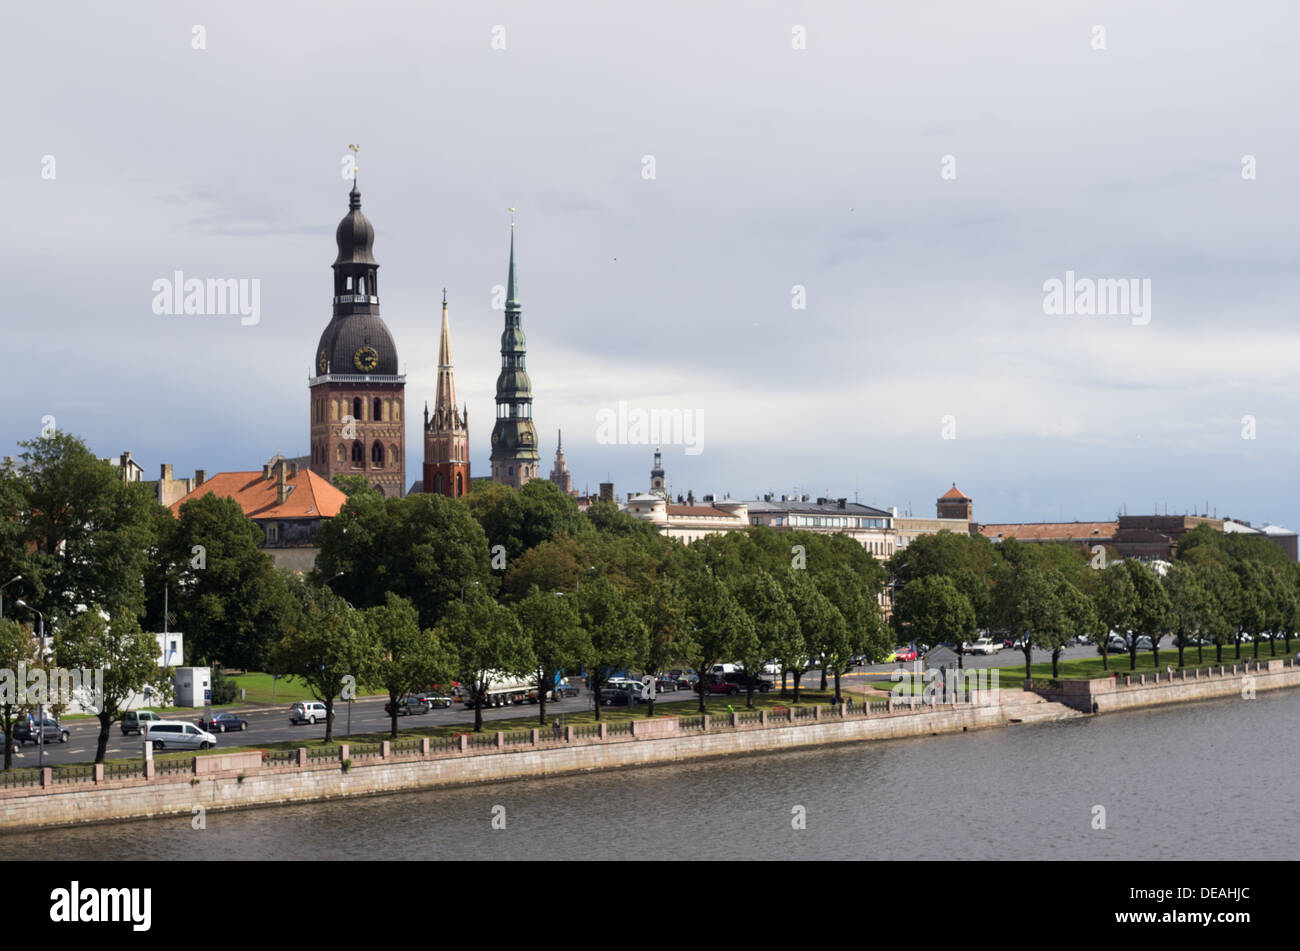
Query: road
point(270, 724)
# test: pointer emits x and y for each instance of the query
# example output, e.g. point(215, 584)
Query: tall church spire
point(514, 439)
point(446, 433)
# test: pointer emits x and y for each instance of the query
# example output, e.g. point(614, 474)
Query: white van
point(178, 735)
point(724, 669)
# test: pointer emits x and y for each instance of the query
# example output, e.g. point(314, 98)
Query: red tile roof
point(954, 493)
point(1051, 531)
point(310, 495)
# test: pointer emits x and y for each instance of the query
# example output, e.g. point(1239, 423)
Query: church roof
point(310, 496)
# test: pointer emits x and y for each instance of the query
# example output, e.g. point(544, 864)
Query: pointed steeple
point(444, 402)
point(512, 291)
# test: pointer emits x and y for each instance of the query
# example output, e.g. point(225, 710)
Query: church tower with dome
point(357, 394)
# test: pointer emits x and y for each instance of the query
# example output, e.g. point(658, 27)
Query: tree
point(425, 548)
point(402, 657)
point(1253, 603)
point(1116, 603)
point(487, 645)
point(1189, 605)
point(1024, 596)
point(1074, 616)
point(608, 519)
point(823, 628)
point(1220, 622)
point(357, 486)
point(768, 607)
point(549, 621)
point(326, 644)
point(663, 611)
point(224, 589)
point(932, 609)
point(1150, 610)
point(966, 560)
point(519, 519)
point(89, 533)
point(716, 624)
point(616, 632)
point(18, 648)
point(127, 656)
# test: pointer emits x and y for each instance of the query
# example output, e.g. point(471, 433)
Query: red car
point(719, 686)
point(905, 654)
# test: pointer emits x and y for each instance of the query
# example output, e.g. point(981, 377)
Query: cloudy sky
point(820, 167)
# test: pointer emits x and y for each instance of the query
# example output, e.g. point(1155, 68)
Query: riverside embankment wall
point(1128, 691)
point(244, 780)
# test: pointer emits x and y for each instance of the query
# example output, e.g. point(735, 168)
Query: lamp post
point(40, 709)
point(2, 592)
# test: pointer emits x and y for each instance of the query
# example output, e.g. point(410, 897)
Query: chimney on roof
point(281, 491)
point(200, 476)
point(843, 502)
point(166, 472)
point(266, 471)
point(293, 470)
point(126, 458)
point(690, 496)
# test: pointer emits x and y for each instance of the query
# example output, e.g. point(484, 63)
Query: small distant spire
point(559, 441)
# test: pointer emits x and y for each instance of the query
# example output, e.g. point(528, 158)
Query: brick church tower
point(357, 394)
point(446, 433)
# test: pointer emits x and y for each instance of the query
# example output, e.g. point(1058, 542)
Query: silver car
point(178, 735)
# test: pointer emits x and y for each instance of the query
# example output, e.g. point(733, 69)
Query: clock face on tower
point(322, 362)
point(365, 359)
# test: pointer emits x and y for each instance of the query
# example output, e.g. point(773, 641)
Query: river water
point(1212, 780)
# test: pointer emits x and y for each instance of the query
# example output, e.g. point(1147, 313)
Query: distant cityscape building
point(689, 522)
point(514, 439)
point(357, 394)
point(870, 527)
point(560, 474)
point(953, 513)
point(446, 433)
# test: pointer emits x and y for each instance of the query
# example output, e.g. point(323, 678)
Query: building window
point(460, 485)
point(356, 408)
point(377, 455)
point(358, 455)
point(379, 409)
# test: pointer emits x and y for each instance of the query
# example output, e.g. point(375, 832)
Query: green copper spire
point(512, 294)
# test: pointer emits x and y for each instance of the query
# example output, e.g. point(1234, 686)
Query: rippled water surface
point(1026, 792)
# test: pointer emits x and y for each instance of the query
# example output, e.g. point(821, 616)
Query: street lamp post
point(40, 709)
point(2, 592)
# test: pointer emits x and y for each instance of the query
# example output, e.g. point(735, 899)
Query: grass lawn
point(263, 688)
point(1089, 668)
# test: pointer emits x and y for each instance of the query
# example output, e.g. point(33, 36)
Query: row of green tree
point(502, 582)
point(1220, 590)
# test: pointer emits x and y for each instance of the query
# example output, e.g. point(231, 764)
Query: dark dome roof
point(349, 333)
point(355, 234)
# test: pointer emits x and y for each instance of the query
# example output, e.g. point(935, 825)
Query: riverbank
point(254, 778)
point(239, 780)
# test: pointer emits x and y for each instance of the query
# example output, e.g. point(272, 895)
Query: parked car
point(566, 689)
point(614, 697)
point(223, 723)
point(903, 655)
point(744, 681)
point(177, 735)
point(435, 700)
point(137, 721)
point(666, 683)
point(27, 732)
point(719, 686)
point(1116, 645)
point(408, 706)
point(983, 645)
point(1144, 643)
point(306, 712)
